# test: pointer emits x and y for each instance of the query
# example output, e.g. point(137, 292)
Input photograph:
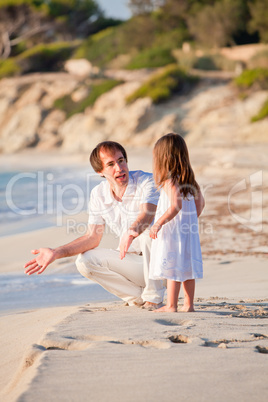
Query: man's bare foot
point(187, 309)
point(139, 304)
point(166, 309)
point(151, 306)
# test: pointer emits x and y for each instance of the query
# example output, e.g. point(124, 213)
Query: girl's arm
point(199, 203)
point(143, 221)
point(174, 196)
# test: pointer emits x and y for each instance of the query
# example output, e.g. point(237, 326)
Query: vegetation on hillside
point(151, 36)
point(26, 23)
point(40, 35)
point(95, 91)
point(164, 84)
point(150, 58)
point(9, 68)
point(157, 29)
point(263, 113)
point(253, 79)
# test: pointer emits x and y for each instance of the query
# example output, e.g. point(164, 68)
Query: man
point(126, 202)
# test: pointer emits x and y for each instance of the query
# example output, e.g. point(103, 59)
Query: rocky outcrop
point(210, 115)
point(48, 130)
point(21, 130)
point(80, 134)
point(27, 117)
point(81, 68)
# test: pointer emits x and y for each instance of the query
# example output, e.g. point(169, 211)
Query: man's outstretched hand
point(126, 241)
point(45, 256)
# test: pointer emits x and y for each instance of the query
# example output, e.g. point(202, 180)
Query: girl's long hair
point(172, 162)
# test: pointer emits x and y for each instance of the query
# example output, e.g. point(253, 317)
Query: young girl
point(176, 253)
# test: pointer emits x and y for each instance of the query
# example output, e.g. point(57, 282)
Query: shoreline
point(35, 158)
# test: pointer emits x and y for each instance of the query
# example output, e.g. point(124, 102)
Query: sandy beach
point(104, 350)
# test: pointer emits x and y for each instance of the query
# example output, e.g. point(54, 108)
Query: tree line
point(25, 23)
point(157, 23)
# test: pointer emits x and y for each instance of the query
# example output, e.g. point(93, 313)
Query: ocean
point(36, 199)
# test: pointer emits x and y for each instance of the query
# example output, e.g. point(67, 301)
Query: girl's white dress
point(176, 253)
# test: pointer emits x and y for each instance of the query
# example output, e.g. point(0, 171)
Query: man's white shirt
point(119, 216)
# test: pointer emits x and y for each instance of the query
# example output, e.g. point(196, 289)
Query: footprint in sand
point(222, 344)
point(174, 322)
point(180, 339)
point(262, 349)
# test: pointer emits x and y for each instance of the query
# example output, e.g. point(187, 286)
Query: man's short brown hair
point(110, 146)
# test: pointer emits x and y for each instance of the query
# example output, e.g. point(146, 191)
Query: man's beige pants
point(128, 279)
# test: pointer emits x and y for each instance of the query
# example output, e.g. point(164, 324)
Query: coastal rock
point(114, 99)
point(78, 134)
point(79, 94)
point(210, 115)
point(48, 131)
point(123, 126)
point(21, 130)
point(110, 118)
point(227, 119)
point(4, 105)
point(32, 95)
point(139, 75)
point(8, 89)
point(255, 132)
point(156, 130)
point(8, 95)
point(56, 89)
point(115, 118)
point(81, 68)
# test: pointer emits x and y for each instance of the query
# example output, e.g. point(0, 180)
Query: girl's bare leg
point(188, 288)
point(173, 290)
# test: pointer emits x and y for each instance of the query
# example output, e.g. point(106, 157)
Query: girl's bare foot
point(166, 309)
point(187, 309)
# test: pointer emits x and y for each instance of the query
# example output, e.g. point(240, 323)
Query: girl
point(176, 253)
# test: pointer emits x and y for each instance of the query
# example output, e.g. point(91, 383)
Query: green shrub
point(223, 63)
point(209, 61)
point(106, 45)
point(185, 60)
point(262, 113)
point(46, 57)
point(205, 63)
point(70, 107)
point(19, 48)
point(257, 77)
point(214, 62)
point(65, 103)
point(151, 58)
point(10, 3)
point(163, 85)
point(172, 39)
point(9, 68)
point(96, 91)
point(101, 48)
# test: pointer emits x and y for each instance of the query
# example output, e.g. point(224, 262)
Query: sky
point(115, 8)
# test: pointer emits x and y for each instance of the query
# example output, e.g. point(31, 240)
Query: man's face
point(115, 168)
